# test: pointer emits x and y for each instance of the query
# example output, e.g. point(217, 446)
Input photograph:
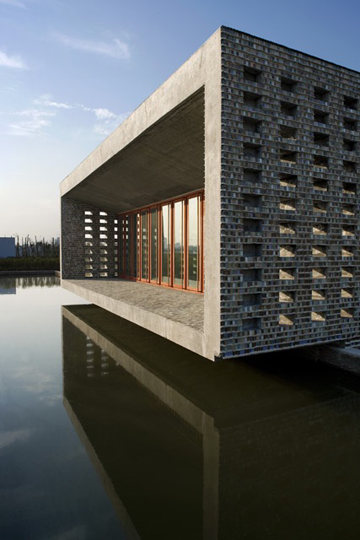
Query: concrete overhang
point(166, 136)
point(169, 146)
point(170, 313)
point(164, 161)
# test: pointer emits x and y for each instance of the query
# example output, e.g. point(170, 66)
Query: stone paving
point(179, 306)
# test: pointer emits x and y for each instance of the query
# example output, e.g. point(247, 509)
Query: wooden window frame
point(169, 255)
point(137, 231)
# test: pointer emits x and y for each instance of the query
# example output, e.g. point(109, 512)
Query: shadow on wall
point(189, 449)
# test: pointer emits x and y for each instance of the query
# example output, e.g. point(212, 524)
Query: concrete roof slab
point(165, 161)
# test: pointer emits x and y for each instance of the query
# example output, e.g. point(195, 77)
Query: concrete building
point(7, 247)
point(223, 213)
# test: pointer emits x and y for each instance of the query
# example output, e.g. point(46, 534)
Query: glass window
point(134, 244)
point(165, 244)
point(178, 243)
point(121, 247)
point(154, 276)
point(144, 246)
point(127, 247)
point(193, 243)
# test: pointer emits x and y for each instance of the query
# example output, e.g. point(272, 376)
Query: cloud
point(103, 114)
point(28, 129)
point(46, 101)
point(116, 49)
point(14, 3)
point(100, 113)
point(107, 120)
point(33, 121)
point(109, 124)
point(13, 62)
point(33, 125)
point(35, 113)
point(8, 438)
point(101, 129)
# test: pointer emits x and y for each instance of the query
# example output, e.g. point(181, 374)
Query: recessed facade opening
point(163, 243)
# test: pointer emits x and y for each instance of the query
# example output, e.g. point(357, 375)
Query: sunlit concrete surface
point(173, 314)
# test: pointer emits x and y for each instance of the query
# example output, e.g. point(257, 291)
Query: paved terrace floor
point(180, 306)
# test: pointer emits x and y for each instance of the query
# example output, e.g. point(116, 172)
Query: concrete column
point(212, 197)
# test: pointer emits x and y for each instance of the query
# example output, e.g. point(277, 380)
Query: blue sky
point(70, 71)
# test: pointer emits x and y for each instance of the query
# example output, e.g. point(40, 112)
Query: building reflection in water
point(7, 285)
point(188, 449)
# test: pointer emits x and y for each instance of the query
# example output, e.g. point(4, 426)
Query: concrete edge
point(182, 335)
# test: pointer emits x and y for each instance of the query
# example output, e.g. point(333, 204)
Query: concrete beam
point(183, 335)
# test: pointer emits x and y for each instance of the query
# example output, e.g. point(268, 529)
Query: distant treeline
point(30, 263)
point(29, 247)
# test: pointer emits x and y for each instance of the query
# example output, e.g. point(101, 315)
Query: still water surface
point(110, 432)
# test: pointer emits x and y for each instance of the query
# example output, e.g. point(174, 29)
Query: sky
point(72, 70)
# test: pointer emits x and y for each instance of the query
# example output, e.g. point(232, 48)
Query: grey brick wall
point(88, 241)
point(286, 219)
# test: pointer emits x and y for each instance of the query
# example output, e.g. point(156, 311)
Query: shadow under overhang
point(165, 161)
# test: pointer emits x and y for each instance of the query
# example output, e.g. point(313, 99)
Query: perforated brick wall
point(88, 241)
point(289, 198)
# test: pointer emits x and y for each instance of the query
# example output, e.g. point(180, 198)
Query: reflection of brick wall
point(293, 475)
point(88, 241)
point(289, 198)
point(82, 358)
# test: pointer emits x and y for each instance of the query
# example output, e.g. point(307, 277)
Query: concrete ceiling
point(166, 160)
